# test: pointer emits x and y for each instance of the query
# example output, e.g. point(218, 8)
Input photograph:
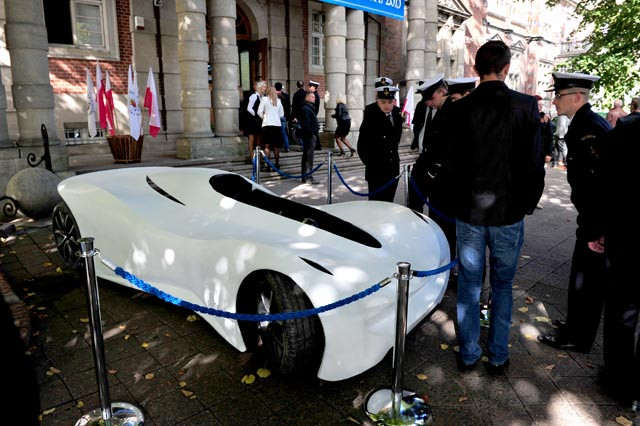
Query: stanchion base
point(123, 414)
point(413, 410)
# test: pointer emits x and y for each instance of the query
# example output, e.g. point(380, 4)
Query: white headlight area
point(227, 203)
point(169, 257)
point(307, 230)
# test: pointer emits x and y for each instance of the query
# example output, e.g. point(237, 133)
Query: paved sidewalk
point(187, 374)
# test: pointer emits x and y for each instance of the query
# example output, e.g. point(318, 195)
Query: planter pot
point(125, 149)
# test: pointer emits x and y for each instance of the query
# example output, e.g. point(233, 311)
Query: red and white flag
point(151, 103)
point(102, 107)
point(91, 106)
point(110, 106)
point(396, 98)
point(408, 107)
point(135, 118)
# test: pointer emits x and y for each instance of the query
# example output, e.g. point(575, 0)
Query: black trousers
point(586, 295)
point(308, 146)
point(377, 182)
point(622, 305)
point(420, 179)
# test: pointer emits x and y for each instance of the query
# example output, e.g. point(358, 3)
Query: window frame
point(316, 9)
point(110, 49)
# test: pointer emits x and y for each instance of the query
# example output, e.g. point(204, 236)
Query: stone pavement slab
point(183, 373)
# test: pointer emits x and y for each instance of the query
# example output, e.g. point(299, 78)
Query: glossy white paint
point(203, 250)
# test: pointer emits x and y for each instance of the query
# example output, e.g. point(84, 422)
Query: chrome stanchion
point(397, 406)
point(329, 175)
point(407, 171)
point(109, 414)
point(256, 164)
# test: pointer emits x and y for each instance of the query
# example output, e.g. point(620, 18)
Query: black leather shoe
point(497, 370)
point(465, 368)
point(555, 341)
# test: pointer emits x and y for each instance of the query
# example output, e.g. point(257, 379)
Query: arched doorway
point(252, 55)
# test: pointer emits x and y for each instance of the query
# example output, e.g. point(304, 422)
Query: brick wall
point(68, 75)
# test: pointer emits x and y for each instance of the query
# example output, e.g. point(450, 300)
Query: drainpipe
point(163, 108)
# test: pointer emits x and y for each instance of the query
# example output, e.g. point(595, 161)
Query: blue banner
point(391, 8)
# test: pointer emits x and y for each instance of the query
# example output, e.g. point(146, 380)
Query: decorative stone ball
point(36, 191)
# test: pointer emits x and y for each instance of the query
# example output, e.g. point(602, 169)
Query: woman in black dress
point(344, 124)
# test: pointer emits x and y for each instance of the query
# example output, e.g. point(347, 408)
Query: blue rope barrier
point(436, 271)
point(253, 168)
point(246, 317)
point(363, 194)
point(288, 176)
point(431, 208)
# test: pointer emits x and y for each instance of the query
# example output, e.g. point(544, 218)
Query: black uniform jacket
point(296, 103)
point(585, 141)
point(308, 121)
point(378, 142)
point(496, 160)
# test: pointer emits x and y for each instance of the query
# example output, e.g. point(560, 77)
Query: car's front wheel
point(67, 234)
point(293, 345)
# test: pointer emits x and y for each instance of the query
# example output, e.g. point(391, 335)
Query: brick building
point(205, 53)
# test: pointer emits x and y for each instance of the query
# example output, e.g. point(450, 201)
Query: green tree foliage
point(614, 52)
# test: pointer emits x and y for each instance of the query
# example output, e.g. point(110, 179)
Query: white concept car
point(218, 240)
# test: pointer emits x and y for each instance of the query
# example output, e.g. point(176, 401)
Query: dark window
point(57, 18)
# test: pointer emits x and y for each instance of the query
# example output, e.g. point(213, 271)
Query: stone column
point(225, 98)
point(296, 45)
point(416, 43)
point(4, 131)
point(372, 59)
point(335, 67)
point(431, 35)
point(355, 69)
point(277, 43)
point(31, 88)
point(193, 55)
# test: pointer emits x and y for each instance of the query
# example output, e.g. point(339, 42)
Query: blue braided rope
point(253, 168)
point(288, 176)
point(243, 317)
point(436, 271)
point(431, 208)
point(364, 194)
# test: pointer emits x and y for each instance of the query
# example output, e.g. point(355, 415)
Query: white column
point(225, 98)
point(416, 43)
point(193, 56)
point(431, 34)
point(335, 67)
point(296, 45)
point(355, 68)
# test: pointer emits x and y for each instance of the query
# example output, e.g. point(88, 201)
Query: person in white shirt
point(270, 110)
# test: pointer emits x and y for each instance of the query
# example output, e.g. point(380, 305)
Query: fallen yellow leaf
point(47, 264)
point(182, 384)
point(248, 379)
point(263, 373)
point(354, 421)
point(193, 397)
point(59, 270)
point(49, 411)
point(563, 356)
point(80, 404)
point(84, 320)
point(30, 294)
point(421, 376)
point(444, 346)
point(145, 345)
point(515, 286)
point(149, 376)
point(113, 371)
point(550, 367)
point(74, 331)
point(524, 256)
point(529, 337)
point(192, 318)
point(543, 319)
point(622, 420)
point(186, 393)
point(126, 337)
point(456, 348)
point(524, 309)
point(485, 358)
point(122, 326)
point(41, 308)
point(462, 399)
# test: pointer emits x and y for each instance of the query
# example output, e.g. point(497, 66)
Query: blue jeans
point(285, 137)
point(504, 244)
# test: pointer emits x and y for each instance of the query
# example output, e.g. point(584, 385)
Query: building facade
point(206, 53)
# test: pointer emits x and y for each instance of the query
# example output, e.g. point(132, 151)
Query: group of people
point(481, 163)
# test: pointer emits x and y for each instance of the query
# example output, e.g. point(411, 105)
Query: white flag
point(135, 118)
point(91, 106)
point(408, 107)
point(151, 103)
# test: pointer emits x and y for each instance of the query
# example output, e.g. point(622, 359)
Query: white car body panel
point(202, 251)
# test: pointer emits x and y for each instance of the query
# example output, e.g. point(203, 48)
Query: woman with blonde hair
point(270, 110)
point(344, 124)
point(254, 123)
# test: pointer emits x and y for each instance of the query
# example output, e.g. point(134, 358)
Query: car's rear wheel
point(293, 345)
point(67, 234)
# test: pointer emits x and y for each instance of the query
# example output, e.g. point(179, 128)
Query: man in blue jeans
point(497, 177)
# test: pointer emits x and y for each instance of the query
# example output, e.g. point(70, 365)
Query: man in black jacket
point(497, 177)
point(309, 134)
point(585, 141)
point(378, 141)
point(296, 108)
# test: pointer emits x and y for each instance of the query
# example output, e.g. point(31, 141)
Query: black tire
point(67, 234)
point(291, 346)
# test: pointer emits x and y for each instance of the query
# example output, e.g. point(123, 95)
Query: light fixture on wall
point(157, 3)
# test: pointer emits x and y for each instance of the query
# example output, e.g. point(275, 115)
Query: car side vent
point(420, 216)
point(317, 266)
point(162, 192)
